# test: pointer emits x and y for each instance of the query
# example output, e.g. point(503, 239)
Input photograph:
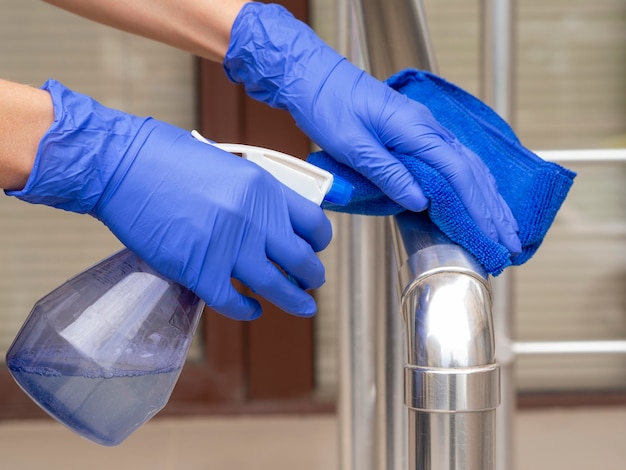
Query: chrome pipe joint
point(451, 378)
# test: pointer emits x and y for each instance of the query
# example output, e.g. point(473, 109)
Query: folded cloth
point(533, 188)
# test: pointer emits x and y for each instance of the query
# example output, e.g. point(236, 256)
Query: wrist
point(79, 153)
point(277, 57)
point(27, 114)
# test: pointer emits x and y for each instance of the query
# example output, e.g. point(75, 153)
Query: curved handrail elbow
point(448, 318)
point(445, 298)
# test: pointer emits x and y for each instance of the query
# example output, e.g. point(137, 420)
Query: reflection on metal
point(451, 376)
point(498, 55)
point(526, 348)
point(360, 240)
point(450, 383)
point(363, 300)
point(584, 156)
point(396, 36)
point(497, 90)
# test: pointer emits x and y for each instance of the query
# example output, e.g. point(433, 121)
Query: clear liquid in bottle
point(102, 352)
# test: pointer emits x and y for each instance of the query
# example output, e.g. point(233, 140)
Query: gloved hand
point(356, 118)
point(195, 213)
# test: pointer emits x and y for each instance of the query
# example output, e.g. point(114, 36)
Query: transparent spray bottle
point(102, 352)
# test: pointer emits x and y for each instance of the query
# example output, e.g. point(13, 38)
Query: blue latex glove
point(356, 118)
point(197, 214)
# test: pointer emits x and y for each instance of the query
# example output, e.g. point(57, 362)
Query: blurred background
point(265, 393)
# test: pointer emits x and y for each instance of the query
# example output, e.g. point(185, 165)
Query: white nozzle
point(310, 181)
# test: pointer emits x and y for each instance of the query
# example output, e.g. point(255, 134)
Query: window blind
point(571, 94)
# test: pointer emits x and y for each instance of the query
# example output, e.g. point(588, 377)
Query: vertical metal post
point(451, 377)
point(372, 417)
point(450, 421)
point(362, 275)
point(498, 66)
point(358, 241)
point(498, 55)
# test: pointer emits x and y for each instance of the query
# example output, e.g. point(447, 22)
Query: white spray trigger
point(308, 180)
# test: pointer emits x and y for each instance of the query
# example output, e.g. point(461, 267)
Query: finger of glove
point(391, 176)
point(465, 171)
point(297, 258)
point(226, 300)
point(266, 280)
point(470, 179)
point(308, 220)
point(507, 228)
point(412, 129)
point(509, 238)
point(502, 218)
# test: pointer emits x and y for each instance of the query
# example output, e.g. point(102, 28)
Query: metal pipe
point(451, 376)
point(450, 389)
point(498, 55)
point(356, 348)
point(392, 36)
point(392, 424)
point(384, 436)
point(527, 348)
point(451, 416)
point(361, 291)
point(451, 409)
point(497, 83)
point(584, 156)
point(396, 36)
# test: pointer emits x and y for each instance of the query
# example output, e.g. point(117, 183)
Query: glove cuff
point(275, 56)
point(79, 153)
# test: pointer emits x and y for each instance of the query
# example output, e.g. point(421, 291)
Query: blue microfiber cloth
point(533, 188)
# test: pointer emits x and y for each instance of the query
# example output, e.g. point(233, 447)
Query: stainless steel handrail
point(498, 52)
point(450, 390)
point(527, 348)
point(450, 393)
point(584, 155)
point(452, 382)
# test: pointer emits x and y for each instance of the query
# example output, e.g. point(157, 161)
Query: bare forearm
point(25, 115)
point(201, 27)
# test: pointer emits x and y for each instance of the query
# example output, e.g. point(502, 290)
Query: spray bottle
point(102, 352)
